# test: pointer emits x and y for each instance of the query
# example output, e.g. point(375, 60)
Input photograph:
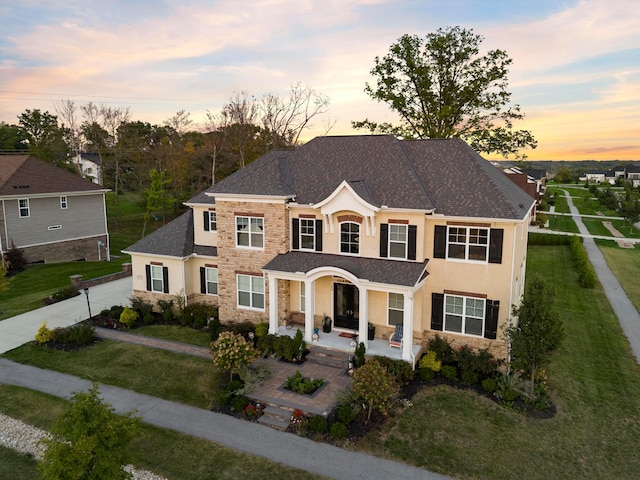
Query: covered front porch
point(333, 341)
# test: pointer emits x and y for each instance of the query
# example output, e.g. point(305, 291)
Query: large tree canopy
point(441, 87)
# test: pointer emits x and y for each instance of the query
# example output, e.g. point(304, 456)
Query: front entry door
point(345, 306)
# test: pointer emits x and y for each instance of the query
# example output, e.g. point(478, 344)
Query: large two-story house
point(51, 214)
point(361, 229)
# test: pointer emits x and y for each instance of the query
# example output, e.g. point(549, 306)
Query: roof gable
point(26, 175)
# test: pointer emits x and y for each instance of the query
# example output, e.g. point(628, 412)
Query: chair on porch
point(395, 339)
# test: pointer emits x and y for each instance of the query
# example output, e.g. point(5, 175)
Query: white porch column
point(309, 308)
point(407, 322)
point(363, 321)
point(273, 305)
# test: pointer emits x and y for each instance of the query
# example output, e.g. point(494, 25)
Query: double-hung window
point(213, 224)
point(211, 280)
point(350, 238)
point(157, 279)
point(398, 241)
point(396, 308)
point(307, 234)
point(23, 207)
point(468, 243)
point(464, 315)
point(250, 232)
point(63, 202)
point(250, 291)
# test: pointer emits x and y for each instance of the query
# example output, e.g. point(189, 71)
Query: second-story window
point(23, 207)
point(307, 234)
point(467, 243)
point(250, 232)
point(63, 202)
point(213, 223)
point(350, 238)
point(397, 241)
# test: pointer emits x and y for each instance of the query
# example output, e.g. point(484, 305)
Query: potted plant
point(371, 333)
point(326, 324)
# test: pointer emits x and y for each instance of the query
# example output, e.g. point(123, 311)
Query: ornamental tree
point(374, 385)
point(539, 332)
point(232, 352)
point(89, 441)
point(441, 87)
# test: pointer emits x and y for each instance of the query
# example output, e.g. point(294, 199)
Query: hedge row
point(536, 238)
point(586, 273)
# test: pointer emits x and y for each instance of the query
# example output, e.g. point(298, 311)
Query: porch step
point(275, 417)
point(331, 358)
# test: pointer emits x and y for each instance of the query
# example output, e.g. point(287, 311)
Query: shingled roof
point(175, 239)
point(24, 175)
point(390, 272)
point(441, 174)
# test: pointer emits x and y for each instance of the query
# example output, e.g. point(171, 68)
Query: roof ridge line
point(415, 172)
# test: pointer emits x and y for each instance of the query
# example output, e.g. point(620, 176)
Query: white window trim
point(63, 202)
point(464, 316)
point(250, 246)
point(206, 281)
point(157, 268)
point(250, 292)
point(312, 221)
point(213, 221)
point(340, 239)
point(467, 244)
point(389, 307)
point(405, 242)
point(27, 207)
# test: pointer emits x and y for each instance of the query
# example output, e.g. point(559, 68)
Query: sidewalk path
point(18, 330)
point(628, 316)
point(249, 437)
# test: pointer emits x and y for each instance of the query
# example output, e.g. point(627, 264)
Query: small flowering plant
point(297, 417)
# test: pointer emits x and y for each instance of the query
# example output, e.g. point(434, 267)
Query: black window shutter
point(384, 240)
point(437, 311)
point(295, 233)
point(165, 279)
point(318, 235)
point(203, 281)
point(491, 319)
point(412, 239)
point(495, 245)
point(440, 241)
point(206, 221)
point(148, 269)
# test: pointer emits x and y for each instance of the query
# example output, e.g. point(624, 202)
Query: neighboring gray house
point(51, 214)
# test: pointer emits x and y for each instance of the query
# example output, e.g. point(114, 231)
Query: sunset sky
point(575, 71)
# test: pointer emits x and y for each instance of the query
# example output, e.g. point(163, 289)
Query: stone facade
point(497, 348)
point(85, 249)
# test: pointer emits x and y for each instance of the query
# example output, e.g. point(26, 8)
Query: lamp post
point(86, 292)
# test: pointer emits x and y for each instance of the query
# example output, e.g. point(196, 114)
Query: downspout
point(513, 259)
point(106, 226)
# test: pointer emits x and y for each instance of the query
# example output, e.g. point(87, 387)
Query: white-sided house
point(362, 230)
point(89, 165)
point(53, 215)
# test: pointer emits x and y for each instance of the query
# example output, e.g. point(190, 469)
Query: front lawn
point(562, 223)
point(625, 265)
point(176, 333)
point(595, 433)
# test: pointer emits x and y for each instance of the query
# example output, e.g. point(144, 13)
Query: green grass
point(596, 227)
point(596, 386)
point(164, 452)
point(27, 289)
point(176, 333)
point(562, 223)
point(625, 265)
point(175, 377)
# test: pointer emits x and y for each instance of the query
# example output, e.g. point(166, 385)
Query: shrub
point(466, 358)
point(303, 385)
point(470, 378)
point(299, 344)
point(359, 355)
point(266, 344)
point(149, 319)
point(318, 424)
point(536, 238)
point(489, 384)
point(128, 317)
point(242, 328)
point(443, 349)
point(338, 430)
point(262, 329)
point(81, 334)
point(223, 398)
point(198, 314)
point(509, 386)
point(142, 307)
point(283, 348)
point(449, 371)
point(541, 219)
point(232, 352)
point(430, 361)
point(586, 274)
point(239, 403)
point(486, 363)
point(402, 371)
point(426, 374)
point(16, 259)
point(346, 414)
point(66, 292)
point(374, 385)
point(43, 335)
point(116, 311)
point(166, 309)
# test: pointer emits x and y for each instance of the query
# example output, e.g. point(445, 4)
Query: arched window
point(350, 238)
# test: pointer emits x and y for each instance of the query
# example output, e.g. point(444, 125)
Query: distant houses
point(89, 166)
point(627, 172)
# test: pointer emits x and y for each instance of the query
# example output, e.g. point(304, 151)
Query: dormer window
point(350, 238)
